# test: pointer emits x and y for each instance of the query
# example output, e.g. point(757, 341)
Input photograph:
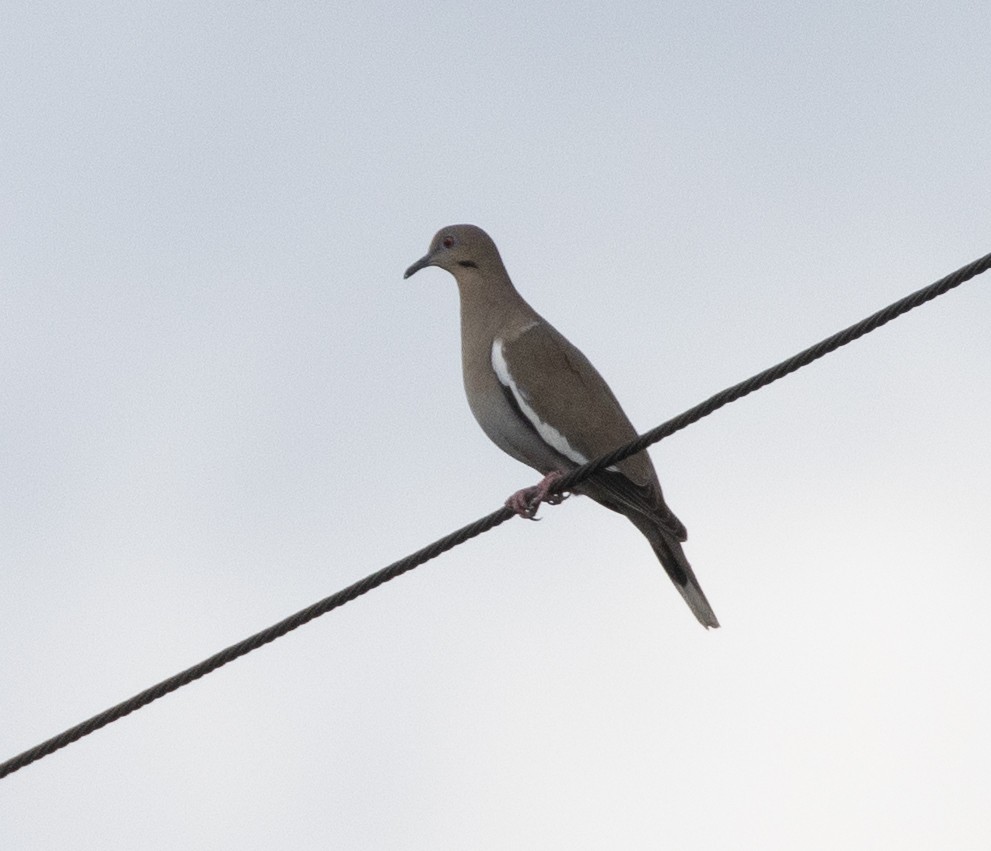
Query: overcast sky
point(220, 402)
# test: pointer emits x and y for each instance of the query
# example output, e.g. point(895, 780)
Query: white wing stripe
point(550, 435)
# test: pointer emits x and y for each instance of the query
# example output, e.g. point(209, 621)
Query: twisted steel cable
point(484, 524)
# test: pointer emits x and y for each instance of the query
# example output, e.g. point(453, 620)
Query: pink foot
point(526, 502)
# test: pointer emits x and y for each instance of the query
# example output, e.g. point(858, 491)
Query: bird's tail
point(672, 557)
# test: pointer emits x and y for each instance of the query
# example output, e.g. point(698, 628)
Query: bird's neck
point(487, 304)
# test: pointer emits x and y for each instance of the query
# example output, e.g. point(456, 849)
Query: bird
point(540, 400)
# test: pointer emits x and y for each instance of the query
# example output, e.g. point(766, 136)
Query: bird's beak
point(423, 262)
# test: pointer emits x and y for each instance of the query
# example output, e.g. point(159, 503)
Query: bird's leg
point(526, 502)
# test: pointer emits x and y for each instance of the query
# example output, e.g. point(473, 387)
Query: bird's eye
point(447, 241)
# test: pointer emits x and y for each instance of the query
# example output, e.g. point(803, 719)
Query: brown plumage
point(540, 399)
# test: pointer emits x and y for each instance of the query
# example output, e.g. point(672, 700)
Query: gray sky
point(221, 402)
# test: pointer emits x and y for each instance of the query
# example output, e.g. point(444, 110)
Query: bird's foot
point(526, 502)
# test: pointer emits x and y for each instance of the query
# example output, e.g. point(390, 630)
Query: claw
point(525, 502)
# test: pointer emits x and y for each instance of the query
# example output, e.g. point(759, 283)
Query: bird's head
point(459, 249)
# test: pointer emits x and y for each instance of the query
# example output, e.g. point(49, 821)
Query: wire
point(780, 370)
point(484, 524)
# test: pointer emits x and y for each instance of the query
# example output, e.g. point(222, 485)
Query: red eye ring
point(447, 241)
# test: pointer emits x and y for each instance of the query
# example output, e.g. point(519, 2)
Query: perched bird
point(540, 400)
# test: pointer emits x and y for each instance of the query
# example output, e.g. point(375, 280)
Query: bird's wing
point(568, 403)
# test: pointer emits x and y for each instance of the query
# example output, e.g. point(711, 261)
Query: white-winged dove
point(541, 400)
